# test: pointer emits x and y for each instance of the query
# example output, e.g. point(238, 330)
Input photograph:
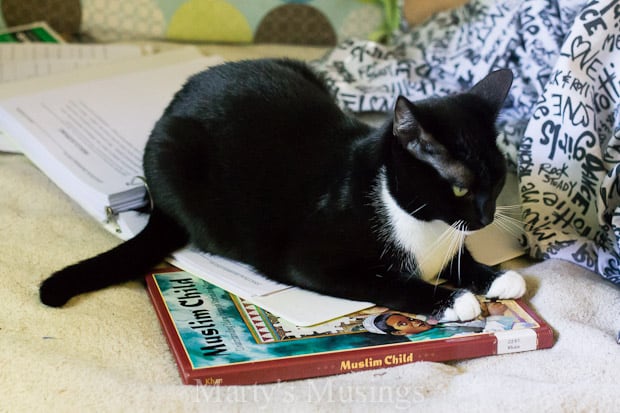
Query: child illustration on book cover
point(496, 316)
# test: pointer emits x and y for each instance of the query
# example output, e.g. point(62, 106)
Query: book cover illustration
point(497, 315)
point(218, 338)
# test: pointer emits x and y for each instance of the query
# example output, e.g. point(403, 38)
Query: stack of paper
point(36, 50)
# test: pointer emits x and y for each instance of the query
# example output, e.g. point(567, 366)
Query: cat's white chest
point(432, 244)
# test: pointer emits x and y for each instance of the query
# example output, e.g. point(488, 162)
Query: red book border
point(330, 363)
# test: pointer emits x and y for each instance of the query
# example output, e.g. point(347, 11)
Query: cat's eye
point(459, 191)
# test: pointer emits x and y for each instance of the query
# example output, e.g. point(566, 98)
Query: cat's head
point(444, 161)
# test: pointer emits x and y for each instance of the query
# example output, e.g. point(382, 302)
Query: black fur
point(255, 162)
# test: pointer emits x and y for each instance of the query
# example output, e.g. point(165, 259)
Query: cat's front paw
point(465, 306)
point(508, 285)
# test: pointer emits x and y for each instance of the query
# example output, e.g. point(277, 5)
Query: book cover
point(27, 33)
point(218, 338)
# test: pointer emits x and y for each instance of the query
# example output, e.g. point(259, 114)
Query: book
point(32, 32)
point(86, 131)
point(218, 338)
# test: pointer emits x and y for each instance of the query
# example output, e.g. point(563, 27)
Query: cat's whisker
point(462, 227)
point(508, 228)
point(508, 218)
point(459, 247)
point(454, 236)
point(437, 244)
point(509, 209)
point(418, 209)
point(445, 237)
point(448, 256)
point(509, 224)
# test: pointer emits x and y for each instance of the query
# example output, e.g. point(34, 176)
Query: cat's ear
point(405, 125)
point(494, 88)
point(411, 134)
point(423, 146)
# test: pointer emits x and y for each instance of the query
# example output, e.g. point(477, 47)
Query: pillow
point(312, 22)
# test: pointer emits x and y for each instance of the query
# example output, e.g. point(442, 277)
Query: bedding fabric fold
point(560, 127)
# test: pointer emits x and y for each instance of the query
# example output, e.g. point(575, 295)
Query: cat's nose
point(486, 211)
point(486, 219)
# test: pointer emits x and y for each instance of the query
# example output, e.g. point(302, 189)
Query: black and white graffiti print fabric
point(560, 127)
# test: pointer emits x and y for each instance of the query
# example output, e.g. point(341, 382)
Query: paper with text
point(24, 60)
point(19, 61)
point(89, 136)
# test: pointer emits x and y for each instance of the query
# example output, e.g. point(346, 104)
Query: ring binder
point(112, 211)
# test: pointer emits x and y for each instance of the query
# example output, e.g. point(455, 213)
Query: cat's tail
point(128, 261)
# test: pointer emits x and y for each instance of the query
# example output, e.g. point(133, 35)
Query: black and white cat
point(255, 162)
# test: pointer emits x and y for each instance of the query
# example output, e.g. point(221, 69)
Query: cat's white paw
point(465, 307)
point(508, 285)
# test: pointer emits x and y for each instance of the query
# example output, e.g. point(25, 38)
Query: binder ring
point(148, 191)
